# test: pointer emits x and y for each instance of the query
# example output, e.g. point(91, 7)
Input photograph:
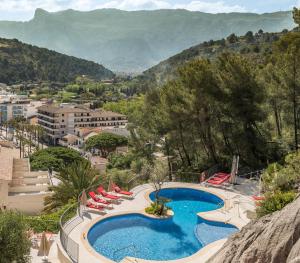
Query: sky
point(23, 10)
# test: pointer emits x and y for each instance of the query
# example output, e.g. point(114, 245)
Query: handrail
point(133, 178)
point(70, 246)
point(257, 172)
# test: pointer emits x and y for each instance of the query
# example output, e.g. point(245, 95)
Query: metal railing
point(254, 174)
point(68, 221)
point(194, 177)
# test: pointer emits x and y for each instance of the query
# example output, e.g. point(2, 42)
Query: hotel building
point(59, 121)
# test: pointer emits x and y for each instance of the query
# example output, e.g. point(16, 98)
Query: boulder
point(274, 238)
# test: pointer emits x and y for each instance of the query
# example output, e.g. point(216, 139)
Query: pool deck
point(237, 203)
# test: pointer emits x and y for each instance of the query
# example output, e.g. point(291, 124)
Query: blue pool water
point(177, 237)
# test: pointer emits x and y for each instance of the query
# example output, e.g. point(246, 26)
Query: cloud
point(29, 5)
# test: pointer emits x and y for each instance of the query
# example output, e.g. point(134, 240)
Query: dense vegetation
point(255, 46)
point(74, 178)
point(49, 221)
point(280, 184)
point(134, 41)
point(14, 242)
point(53, 158)
point(232, 104)
point(105, 142)
point(21, 62)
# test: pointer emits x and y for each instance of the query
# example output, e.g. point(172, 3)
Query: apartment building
point(11, 110)
point(13, 106)
point(59, 121)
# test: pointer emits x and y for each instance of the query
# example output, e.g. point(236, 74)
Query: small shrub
point(157, 209)
point(49, 222)
point(274, 202)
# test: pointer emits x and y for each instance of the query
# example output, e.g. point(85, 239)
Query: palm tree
point(40, 133)
point(22, 142)
point(73, 179)
point(29, 132)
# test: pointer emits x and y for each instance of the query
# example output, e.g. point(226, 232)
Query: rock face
point(273, 238)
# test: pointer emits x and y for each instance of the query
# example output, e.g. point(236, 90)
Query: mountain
point(253, 45)
point(21, 62)
point(134, 41)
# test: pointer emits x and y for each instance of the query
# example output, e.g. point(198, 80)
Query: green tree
point(249, 36)
point(232, 39)
point(242, 104)
point(73, 179)
point(53, 158)
point(287, 53)
point(14, 243)
point(105, 142)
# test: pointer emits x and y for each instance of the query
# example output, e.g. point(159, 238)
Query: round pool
point(180, 236)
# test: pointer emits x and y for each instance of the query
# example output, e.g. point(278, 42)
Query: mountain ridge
point(133, 41)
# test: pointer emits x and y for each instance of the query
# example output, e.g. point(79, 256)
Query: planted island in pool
point(180, 236)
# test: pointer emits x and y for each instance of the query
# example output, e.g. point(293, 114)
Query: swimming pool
point(180, 236)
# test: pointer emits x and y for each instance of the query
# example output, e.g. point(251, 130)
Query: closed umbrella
point(44, 246)
point(83, 203)
point(110, 188)
point(83, 198)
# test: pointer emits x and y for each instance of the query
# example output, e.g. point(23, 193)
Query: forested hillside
point(255, 45)
point(135, 41)
point(244, 103)
point(21, 62)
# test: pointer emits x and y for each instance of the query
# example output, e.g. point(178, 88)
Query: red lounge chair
point(102, 192)
point(97, 199)
point(93, 206)
point(217, 180)
point(258, 198)
point(221, 175)
point(118, 190)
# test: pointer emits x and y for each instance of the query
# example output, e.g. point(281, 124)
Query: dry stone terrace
point(20, 188)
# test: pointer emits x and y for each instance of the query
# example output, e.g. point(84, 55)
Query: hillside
point(134, 41)
point(21, 62)
point(255, 45)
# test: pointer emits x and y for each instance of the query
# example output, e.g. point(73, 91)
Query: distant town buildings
point(13, 106)
point(59, 121)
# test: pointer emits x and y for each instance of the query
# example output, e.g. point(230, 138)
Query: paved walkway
point(238, 203)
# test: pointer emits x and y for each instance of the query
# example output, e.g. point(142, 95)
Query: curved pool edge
point(207, 215)
point(205, 253)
